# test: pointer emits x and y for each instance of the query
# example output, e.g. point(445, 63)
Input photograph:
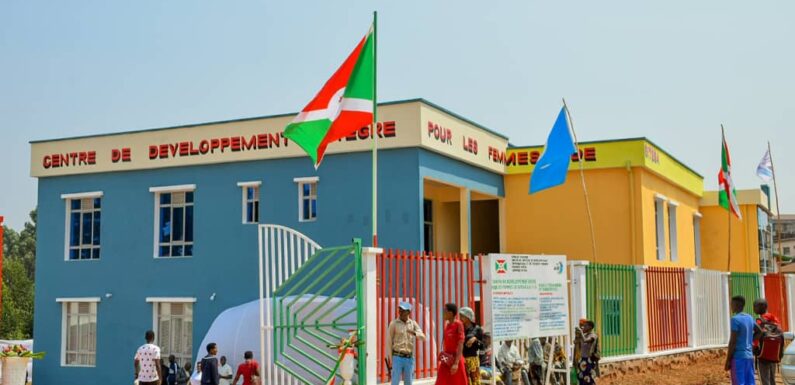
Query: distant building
point(787, 234)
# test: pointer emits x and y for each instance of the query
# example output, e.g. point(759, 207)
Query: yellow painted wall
point(554, 221)
point(744, 241)
point(446, 215)
point(688, 204)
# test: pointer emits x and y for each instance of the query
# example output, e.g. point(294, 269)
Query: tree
point(19, 264)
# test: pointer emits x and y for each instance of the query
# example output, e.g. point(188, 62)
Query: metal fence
point(667, 308)
point(427, 281)
point(776, 296)
point(710, 318)
point(612, 305)
point(746, 285)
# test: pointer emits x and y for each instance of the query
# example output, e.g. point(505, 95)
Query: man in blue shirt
point(740, 356)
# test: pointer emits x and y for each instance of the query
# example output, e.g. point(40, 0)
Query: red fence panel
point(427, 281)
point(667, 308)
point(776, 296)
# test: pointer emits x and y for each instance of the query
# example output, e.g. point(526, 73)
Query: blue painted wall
point(225, 250)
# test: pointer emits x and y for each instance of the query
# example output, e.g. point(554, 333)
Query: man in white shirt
point(510, 362)
point(147, 362)
point(225, 372)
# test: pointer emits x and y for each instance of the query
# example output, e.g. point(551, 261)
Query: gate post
point(690, 279)
point(643, 311)
point(727, 311)
point(369, 255)
point(789, 286)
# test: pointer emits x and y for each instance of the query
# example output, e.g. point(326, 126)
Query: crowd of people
point(210, 370)
point(466, 355)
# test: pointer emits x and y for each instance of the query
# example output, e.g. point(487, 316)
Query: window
point(174, 221)
point(173, 326)
point(672, 234)
point(659, 213)
point(697, 237)
point(307, 198)
point(79, 332)
point(611, 316)
point(83, 219)
point(786, 251)
point(250, 201)
point(427, 214)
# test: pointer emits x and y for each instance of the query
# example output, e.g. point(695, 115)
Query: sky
point(672, 71)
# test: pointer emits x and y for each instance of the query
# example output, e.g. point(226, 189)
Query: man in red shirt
point(248, 369)
point(767, 370)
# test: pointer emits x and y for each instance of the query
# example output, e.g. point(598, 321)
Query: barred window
point(80, 322)
point(174, 328)
point(83, 231)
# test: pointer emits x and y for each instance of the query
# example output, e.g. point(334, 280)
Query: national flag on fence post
point(552, 168)
point(343, 105)
point(727, 197)
point(765, 168)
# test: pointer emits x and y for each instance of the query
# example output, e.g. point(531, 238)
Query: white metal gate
point(710, 320)
point(282, 251)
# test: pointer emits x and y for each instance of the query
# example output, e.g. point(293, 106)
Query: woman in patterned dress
point(589, 354)
point(452, 369)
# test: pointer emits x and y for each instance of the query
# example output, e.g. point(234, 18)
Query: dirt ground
point(702, 373)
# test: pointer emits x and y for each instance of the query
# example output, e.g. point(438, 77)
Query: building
point(751, 237)
point(156, 229)
point(787, 226)
point(644, 206)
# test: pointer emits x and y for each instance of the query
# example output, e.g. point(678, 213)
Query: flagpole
point(582, 178)
point(374, 129)
point(729, 211)
point(778, 210)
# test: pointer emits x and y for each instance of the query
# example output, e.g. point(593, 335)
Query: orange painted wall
point(744, 241)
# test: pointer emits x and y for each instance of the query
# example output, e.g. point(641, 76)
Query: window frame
point(156, 225)
point(244, 186)
point(697, 238)
point(673, 231)
point(659, 226)
point(156, 302)
point(301, 182)
point(427, 226)
point(65, 302)
point(68, 198)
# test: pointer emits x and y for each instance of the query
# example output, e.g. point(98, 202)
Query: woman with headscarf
point(588, 367)
point(451, 360)
point(473, 342)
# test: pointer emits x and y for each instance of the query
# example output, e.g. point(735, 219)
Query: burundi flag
point(553, 166)
point(765, 168)
point(343, 105)
point(727, 196)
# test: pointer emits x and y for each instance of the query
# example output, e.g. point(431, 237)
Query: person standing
point(451, 360)
point(147, 361)
point(536, 360)
point(183, 374)
point(225, 372)
point(473, 342)
point(510, 362)
point(588, 367)
point(739, 355)
point(249, 370)
point(401, 337)
point(209, 367)
point(768, 343)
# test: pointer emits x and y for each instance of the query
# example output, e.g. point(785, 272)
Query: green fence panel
point(612, 305)
point(746, 285)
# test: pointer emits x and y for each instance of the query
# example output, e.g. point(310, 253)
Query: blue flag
point(551, 169)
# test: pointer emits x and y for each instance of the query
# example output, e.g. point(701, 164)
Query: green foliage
point(19, 263)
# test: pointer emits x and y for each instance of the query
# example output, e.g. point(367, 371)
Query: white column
point(690, 279)
point(761, 287)
point(579, 292)
point(727, 309)
point(369, 255)
point(789, 285)
point(643, 311)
